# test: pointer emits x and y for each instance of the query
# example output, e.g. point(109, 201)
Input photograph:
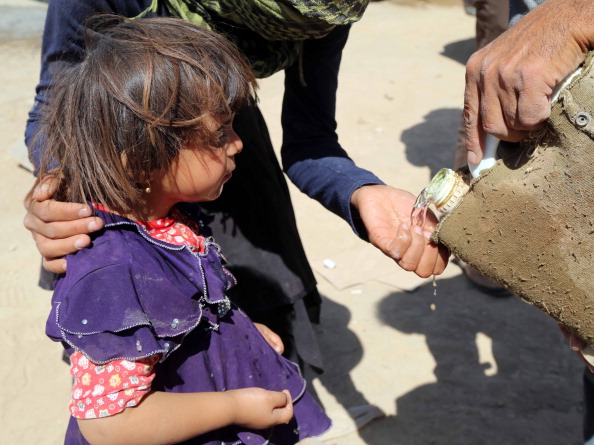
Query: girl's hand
point(259, 408)
point(58, 228)
point(386, 211)
point(271, 337)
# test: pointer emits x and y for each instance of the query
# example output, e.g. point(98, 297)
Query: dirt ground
point(447, 365)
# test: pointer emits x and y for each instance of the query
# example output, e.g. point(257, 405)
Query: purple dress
point(130, 296)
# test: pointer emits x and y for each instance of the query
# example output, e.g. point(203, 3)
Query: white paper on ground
point(366, 263)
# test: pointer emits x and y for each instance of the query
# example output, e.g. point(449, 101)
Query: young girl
point(158, 353)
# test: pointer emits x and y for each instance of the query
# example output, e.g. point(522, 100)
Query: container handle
point(489, 160)
point(491, 142)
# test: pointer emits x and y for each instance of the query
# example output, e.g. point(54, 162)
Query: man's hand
point(509, 82)
point(58, 228)
point(386, 212)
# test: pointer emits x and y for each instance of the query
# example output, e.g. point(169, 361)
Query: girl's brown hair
point(145, 88)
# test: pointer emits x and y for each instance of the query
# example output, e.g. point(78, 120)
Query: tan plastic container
point(528, 222)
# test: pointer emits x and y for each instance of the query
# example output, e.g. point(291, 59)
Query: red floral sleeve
point(105, 390)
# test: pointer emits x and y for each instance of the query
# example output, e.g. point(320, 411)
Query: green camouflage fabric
point(269, 33)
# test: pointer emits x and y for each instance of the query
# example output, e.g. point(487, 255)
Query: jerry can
point(527, 222)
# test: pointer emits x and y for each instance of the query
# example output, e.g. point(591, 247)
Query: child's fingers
point(288, 399)
point(284, 410)
point(280, 399)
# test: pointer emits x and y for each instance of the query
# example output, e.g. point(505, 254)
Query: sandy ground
point(447, 365)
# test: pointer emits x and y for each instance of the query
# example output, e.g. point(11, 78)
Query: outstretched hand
point(509, 82)
point(386, 212)
point(58, 228)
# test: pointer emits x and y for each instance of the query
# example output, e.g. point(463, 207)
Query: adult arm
point(510, 81)
point(316, 163)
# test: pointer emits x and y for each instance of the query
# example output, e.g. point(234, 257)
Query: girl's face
point(197, 174)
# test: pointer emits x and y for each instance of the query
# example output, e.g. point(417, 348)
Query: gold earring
point(148, 189)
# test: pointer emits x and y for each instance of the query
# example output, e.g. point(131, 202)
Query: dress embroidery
point(105, 390)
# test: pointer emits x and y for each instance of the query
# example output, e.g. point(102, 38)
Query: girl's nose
point(235, 144)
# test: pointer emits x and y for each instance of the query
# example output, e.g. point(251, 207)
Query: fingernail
point(418, 230)
point(396, 254)
point(93, 226)
point(84, 212)
point(43, 187)
point(472, 157)
point(405, 226)
point(427, 235)
point(65, 266)
point(80, 243)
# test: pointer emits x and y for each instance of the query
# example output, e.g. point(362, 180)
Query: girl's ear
point(147, 181)
point(141, 179)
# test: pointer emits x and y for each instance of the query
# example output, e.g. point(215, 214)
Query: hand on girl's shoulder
point(58, 228)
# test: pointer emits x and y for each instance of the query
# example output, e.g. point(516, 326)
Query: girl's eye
point(223, 134)
point(221, 137)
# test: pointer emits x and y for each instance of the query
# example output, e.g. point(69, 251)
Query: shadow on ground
point(342, 351)
point(459, 51)
point(528, 392)
point(432, 142)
